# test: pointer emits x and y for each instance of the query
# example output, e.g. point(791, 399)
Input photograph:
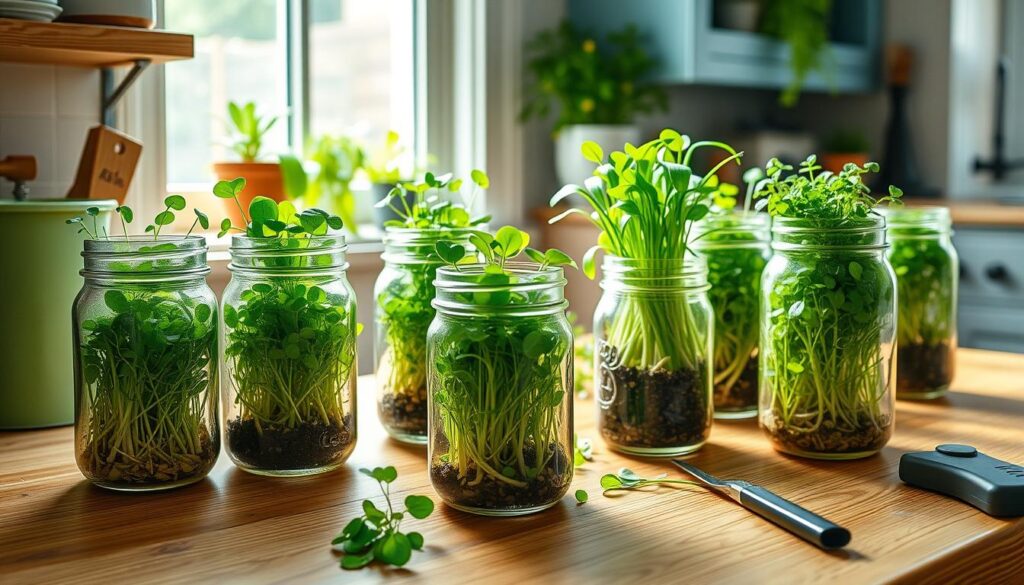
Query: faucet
point(999, 165)
point(18, 168)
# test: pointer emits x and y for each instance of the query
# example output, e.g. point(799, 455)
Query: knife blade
point(774, 508)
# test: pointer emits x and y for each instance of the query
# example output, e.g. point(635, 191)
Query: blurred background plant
point(246, 129)
point(325, 179)
point(592, 80)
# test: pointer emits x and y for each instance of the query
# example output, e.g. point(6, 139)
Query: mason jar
point(500, 380)
point(737, 247)
point(653, 333)
point(927, 273)
point(828, 338)
point(289, 355)
point(145, 340)
point(403, 313)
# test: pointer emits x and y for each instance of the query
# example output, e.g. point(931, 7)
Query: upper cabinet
point(694, 45)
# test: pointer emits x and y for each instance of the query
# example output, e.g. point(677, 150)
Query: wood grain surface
point(85, 45)
point(239, 528)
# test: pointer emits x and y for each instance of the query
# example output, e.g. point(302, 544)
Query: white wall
point(46, 111)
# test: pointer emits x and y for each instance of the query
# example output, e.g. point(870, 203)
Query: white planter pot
point(570, 165)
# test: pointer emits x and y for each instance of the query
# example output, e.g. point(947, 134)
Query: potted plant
point(828, 314)
point(145, 344)
point(599, 87)
point(842, 147)
point(405, 291)
point(653, 325)
point(289, 330)
point(500, 377)
point(804, 26)
point(325, 179)
point(247, 129)
point(386, 166)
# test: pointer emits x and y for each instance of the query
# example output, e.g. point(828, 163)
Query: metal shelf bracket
point(111, 94)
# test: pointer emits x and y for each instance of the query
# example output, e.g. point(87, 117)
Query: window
point(339, 67)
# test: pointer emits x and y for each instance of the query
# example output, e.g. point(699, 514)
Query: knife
point(798, 520)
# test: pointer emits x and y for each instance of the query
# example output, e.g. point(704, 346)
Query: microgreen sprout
point(626, 480)
point(582, 496)
point(375, 535)
point(432, 205)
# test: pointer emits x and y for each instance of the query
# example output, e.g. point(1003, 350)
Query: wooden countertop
point(980, 214)
point(237, 527)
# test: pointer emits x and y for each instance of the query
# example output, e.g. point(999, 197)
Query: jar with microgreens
point(828, 315)
point(736, 246)
point(500, 377)
point(927, 273)
point(145, 351)
point(653, 326)
point(405, 289)
point(289, 341)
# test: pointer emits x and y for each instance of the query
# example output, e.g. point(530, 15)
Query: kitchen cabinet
point(991, 307)
point(693, 49)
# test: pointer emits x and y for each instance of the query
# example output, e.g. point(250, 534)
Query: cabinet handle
point(997, 272)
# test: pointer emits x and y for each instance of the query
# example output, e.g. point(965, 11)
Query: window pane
point(240, 55)
point(361, 69)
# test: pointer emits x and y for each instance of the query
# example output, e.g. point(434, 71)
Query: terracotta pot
point(835, 161)
point(260, 179)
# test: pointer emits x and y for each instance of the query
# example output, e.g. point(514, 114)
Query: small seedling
point(375, 535)
point(582, 496)
point(628, 480)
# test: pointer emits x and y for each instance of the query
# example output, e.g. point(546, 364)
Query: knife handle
point(799, 521)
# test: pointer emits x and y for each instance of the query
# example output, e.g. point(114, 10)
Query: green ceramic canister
point(40, 257)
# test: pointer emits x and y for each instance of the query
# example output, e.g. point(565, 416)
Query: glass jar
point(828, 345)
point(653, 345)
point(289, 355)
point(737, 247)
point(927, 273)
point(145, 337)
point(403, 312)
point(500, 385)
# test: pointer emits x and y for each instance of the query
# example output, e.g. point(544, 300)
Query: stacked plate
point(39, 10)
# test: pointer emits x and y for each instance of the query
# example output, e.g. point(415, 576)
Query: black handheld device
point(993, 486)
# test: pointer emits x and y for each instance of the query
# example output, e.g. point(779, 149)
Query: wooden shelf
point(82, 45)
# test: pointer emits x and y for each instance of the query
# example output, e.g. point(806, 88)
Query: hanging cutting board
point(107, 165)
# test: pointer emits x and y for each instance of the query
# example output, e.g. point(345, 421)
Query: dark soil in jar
point(830, 438)
point(924, 368)
point(405, 412)
point(493, 494)
point(309, 445)
point(653, 409)
point(743, 394)
point(150, 470)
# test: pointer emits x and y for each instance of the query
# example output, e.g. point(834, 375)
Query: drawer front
point(991, 265)
point(994, 328)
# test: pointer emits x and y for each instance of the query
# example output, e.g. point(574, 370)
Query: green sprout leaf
point(126, 213)
point(582, 496)
point(419, 507)
point(480, 178)
point(204, 220)
point(592, 151)
point(164, 218)
point(450, 253)
point(175, 202)
point(262, 209)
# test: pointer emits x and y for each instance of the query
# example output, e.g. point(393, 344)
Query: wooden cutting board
point(107, 165)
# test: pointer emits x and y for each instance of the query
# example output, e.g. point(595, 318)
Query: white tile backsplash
point(46, 112)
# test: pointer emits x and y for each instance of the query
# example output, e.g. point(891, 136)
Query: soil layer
point(743, 394)
point(493, 494)
point(404, 412)
point(829, 438)
point(924, 368)
point(307, 446)
point(654, 409)
point(169, 469)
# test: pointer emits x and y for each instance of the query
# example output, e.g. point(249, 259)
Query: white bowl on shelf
point(130, 13)
point(36, 10)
